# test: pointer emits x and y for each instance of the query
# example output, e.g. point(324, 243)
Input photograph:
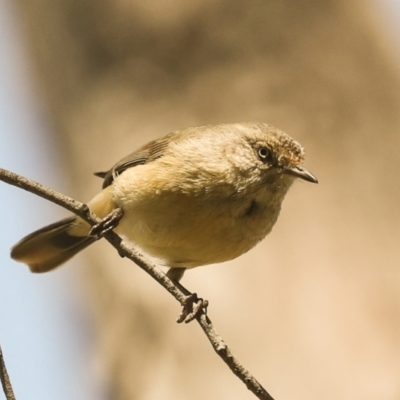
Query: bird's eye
point(264, 154)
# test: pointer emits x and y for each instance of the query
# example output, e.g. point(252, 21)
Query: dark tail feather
point(49, 247)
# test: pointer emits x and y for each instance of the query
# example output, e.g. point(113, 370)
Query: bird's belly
point(201, 235)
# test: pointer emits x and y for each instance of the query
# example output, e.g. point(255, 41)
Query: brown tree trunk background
point(313, 311)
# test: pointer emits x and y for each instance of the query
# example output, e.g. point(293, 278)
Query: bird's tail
point(51, 246)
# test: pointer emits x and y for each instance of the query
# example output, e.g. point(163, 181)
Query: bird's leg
point(108, 223)
point(193, 305)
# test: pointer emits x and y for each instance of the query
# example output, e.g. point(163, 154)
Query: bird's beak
point(302, 173)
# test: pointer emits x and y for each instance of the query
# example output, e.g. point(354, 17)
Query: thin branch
point(125, 250)
point(231, 361)
point(5, 380)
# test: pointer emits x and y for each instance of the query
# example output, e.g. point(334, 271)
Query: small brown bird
point(197, 196)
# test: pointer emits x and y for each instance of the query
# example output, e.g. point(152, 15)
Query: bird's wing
point(150, 152)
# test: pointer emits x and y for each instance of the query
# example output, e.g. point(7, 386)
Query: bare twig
point(125, 250)
point(5, 380)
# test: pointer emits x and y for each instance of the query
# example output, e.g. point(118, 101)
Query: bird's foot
point(193, 307)
point(108, 223)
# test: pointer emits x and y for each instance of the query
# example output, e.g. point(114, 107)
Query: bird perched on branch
point(196, 196)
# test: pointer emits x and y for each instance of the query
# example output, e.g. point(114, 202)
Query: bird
point(197, 196)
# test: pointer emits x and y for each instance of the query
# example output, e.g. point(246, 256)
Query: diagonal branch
point(5, 380)
point(125, 250)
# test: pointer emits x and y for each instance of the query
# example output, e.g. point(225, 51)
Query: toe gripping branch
point(193, 307)
point(108, 223)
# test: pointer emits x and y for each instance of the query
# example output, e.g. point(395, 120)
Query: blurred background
point(314, 310)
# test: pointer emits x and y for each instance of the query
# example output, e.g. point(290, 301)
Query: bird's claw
point(108, 223)
point(193, 306)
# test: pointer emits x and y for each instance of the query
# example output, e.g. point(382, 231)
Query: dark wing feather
point(150, 152)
